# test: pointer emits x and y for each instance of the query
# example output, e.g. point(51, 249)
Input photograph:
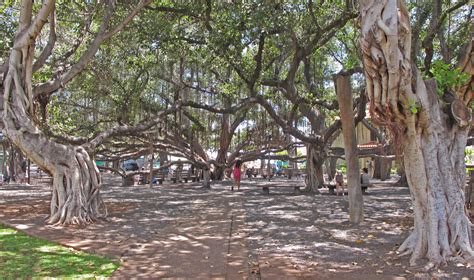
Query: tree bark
point(206, 178)
point(433, 143)
point(331, 168)
point(471, 193)
point(382, 168)
point(152, 161)
point(344, 98)
point(224, 143)
point(314, 168)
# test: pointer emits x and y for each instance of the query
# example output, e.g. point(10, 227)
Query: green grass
point(22, 256)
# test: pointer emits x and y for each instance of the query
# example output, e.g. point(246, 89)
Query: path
point(182, 231)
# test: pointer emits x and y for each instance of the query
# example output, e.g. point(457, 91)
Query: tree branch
point(29, 35)
point(48, 50)
point(102, 35)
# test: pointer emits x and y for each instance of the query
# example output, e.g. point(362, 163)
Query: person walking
point(237, 173)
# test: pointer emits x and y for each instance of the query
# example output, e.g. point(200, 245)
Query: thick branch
point(48, 50)
point(125, 129)
point(287, 127)
point(29, 35)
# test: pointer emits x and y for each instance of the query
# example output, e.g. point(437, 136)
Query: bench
point(332, 187)
point(266, 188)
point(158, 176)
point(179, 174)
point(186, 176)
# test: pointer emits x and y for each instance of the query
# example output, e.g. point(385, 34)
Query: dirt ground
point(183, 231)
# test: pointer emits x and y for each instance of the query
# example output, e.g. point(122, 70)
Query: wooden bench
point(186, 176)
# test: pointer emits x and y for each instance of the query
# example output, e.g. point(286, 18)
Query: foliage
point(413, 106)
point(448, 79)
point(24, 257)
point(469, 155)
point(8, 26)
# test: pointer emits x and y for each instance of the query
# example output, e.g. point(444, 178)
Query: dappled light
point(213, 231)
point(240, 139)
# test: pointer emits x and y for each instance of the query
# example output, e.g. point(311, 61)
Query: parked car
point(130, 165)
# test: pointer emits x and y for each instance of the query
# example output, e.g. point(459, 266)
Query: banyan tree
point(429, 123)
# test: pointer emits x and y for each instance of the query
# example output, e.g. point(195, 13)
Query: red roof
point(370, 145)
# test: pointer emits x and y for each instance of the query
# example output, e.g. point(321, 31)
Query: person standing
point(339, 183)
point(370, 168)
point(237, 173)
point(22, 175)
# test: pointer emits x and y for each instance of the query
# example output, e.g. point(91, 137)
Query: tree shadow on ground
point(182, 230)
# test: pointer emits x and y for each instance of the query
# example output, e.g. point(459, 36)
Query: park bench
point(179, 174)
point(158, 176)
point(266, 188)
point(185, 176)
point(332, 187)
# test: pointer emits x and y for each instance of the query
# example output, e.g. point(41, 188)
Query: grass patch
point(22, 256)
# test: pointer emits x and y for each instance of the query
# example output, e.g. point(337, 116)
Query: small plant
point(412, 106)
point(447, 78)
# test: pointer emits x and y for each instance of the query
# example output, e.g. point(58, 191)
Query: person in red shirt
point(237, 173)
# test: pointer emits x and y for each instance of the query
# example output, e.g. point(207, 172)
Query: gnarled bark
point(76, 179)
point(433, 143)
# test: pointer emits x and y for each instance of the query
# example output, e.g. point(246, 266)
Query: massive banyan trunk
point(433, 142)
point(435, 170)
point(314, 168)
point(224, 143)
point(76, 179)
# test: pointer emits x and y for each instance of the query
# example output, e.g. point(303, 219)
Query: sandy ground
point(183, 231)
